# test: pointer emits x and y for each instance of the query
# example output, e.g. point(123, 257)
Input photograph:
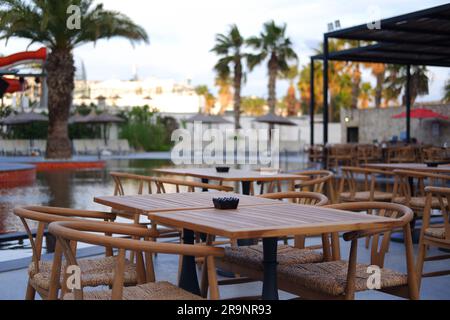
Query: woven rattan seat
point(438, 233)
point(365, 196)
point(148, 291)
point(331, 277)
point(419, 202)
point(253, 256)
point(94, 272)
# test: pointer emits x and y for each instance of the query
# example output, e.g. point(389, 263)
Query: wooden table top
point(270, 221)
point(144, 204)
point(233, 175)
point(409, 166)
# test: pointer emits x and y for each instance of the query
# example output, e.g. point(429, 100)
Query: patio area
point(166, 268)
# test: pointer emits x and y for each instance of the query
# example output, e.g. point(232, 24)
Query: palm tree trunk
point(237, 94)
point(60, 69)
point(273, 69)
point(356, 87)
point(379, 89)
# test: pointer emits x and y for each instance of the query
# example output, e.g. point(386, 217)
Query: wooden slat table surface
point(144, 204)
point(270, 221)
point(408, 166)
point(233, 175)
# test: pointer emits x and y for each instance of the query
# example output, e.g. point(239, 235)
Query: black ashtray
point(226, 203)
point(223, 169)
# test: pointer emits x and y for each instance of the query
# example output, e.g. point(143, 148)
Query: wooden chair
point(316, 153)
point(87, 232)
point(436, 154)
point(341, 279)
point(98, 271)
point(405, 154)
point(363, 184)
point(434, 235)
point(248, 261)
point(341, 154)
point(368, 153)
point(308, 181)
point(410, 189)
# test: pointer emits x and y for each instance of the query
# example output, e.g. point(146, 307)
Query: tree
point(274, 46)
point(210, 100)
point(292, 104)
point(379, 72)
point(49, 23)
point(366, 94)
point(225, 95)
point(254, 106)
point(397, 78)
point(229, 47)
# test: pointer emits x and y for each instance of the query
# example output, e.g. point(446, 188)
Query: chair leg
point(31, 292)
point(420, 262)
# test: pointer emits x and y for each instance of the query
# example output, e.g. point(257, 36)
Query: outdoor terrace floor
point(13, 283)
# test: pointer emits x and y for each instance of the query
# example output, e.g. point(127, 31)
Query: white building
point(165, 95)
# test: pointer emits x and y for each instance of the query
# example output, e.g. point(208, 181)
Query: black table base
point(188, 277)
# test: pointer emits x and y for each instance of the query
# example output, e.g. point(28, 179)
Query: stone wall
point(378, 124)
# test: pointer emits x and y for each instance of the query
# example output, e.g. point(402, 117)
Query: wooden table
point(408, 166)
point(166, 202)
point(245, 177)
point(268, 222)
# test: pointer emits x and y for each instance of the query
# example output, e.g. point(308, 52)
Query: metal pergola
point(417, 38)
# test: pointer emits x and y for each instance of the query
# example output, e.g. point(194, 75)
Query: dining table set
point(263, 236)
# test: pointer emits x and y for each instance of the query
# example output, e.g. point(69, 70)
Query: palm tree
point(379, 71)
point(46, 22)
point(229, 47)
point(274, 46)
point(292, 104)
point(396, 81)
point(209, 99)
point(225, 95)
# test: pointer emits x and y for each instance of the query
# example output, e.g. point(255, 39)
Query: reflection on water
point(76, 188)
point(68, 188)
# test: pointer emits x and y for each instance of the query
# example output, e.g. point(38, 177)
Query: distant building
point(165, 95)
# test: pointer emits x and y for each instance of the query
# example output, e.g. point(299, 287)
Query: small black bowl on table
point(229, 203)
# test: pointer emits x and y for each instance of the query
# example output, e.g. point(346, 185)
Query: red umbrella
point(422, 114)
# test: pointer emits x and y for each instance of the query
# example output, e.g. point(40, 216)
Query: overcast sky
point(182, 33)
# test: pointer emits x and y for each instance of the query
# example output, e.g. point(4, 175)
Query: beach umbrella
point(24, 118)
point(77, 118)
point(273, 119)
point(422, 114)
point(103, 119)
point(208, 119)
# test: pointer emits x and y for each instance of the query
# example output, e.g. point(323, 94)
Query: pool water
point(77, 188)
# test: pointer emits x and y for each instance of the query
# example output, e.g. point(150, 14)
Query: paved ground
point(13, 283)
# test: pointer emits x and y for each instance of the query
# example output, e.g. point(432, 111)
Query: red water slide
point(17, 59)
point(14, 85)
point(25, 57)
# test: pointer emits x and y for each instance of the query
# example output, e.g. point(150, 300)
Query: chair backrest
point(355, 179)
point(314, 181)
point(443, 197)
point(91, 233)
point(421, 179)
point(305, 198)
point(161, 185)
point(402, 154)
point(42, 216)
point(381, 238)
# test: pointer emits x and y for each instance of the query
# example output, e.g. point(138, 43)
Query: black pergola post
point(408, 103)
point(312, 102)
point(325, 90)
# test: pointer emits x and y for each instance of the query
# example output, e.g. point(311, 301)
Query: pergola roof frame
point(417, 38)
